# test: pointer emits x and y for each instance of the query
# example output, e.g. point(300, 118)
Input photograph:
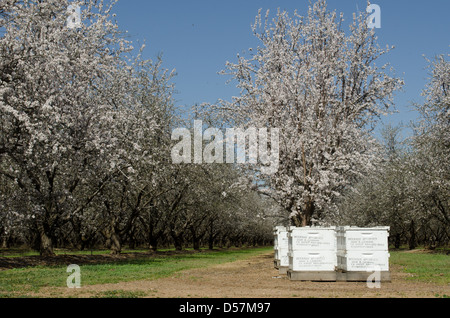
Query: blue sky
point(197, 37)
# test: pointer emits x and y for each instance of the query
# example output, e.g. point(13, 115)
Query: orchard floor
point(255, 278)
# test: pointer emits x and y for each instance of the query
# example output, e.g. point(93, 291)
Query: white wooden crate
point(280, 237)
point(282, 255)
point(312, 260)
point(312, 239)
point(362, 239)
point(363, 260)
point(281, 241)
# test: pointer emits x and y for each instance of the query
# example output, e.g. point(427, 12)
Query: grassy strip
point(425, 267)
point(21, 281)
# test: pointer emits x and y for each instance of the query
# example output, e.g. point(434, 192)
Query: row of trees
point(410, 190)
point(85, 143)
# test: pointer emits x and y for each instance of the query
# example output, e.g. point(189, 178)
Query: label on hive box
point(366, 240)
point(367, 261)
point(364, 243)
point(325, 261)
point(313, 241)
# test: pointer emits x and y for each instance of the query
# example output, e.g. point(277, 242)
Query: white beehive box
point(281, 237)
point(312, 249)
point(281, 247)
point(363, 249)
point(315, 261)
point(363, 261)
point(312, 239)
point(362, 239)
point(282, 256)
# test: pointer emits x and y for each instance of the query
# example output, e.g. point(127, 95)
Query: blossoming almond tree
point(61, 92)
point(145, 148)
point(410, 190)
point(323, 89)
point(430, 161)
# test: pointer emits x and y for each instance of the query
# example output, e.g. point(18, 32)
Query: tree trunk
point(303, 217)
point(153, 244)
point(210, 242)
point(116, 246)
point(5, 243)
point(195, 239)
point(132, 244)
point(178, 241)
point(212, 235)
point(44, 239)
point(397, 241)
point(46, 246)
point(196, 243)
point(412, 236)
point(178, 245)
point(113, 241)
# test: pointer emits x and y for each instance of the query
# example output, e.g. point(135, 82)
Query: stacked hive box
point(362, 251)
point(312, 253)
point(281, 261)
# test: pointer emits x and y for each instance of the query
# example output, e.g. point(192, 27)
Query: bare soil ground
point(255, 278)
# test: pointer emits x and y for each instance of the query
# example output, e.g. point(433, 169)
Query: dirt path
point(255, 278)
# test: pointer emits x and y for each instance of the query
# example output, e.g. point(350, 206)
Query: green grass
point(425, 267)
point(23, 281)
